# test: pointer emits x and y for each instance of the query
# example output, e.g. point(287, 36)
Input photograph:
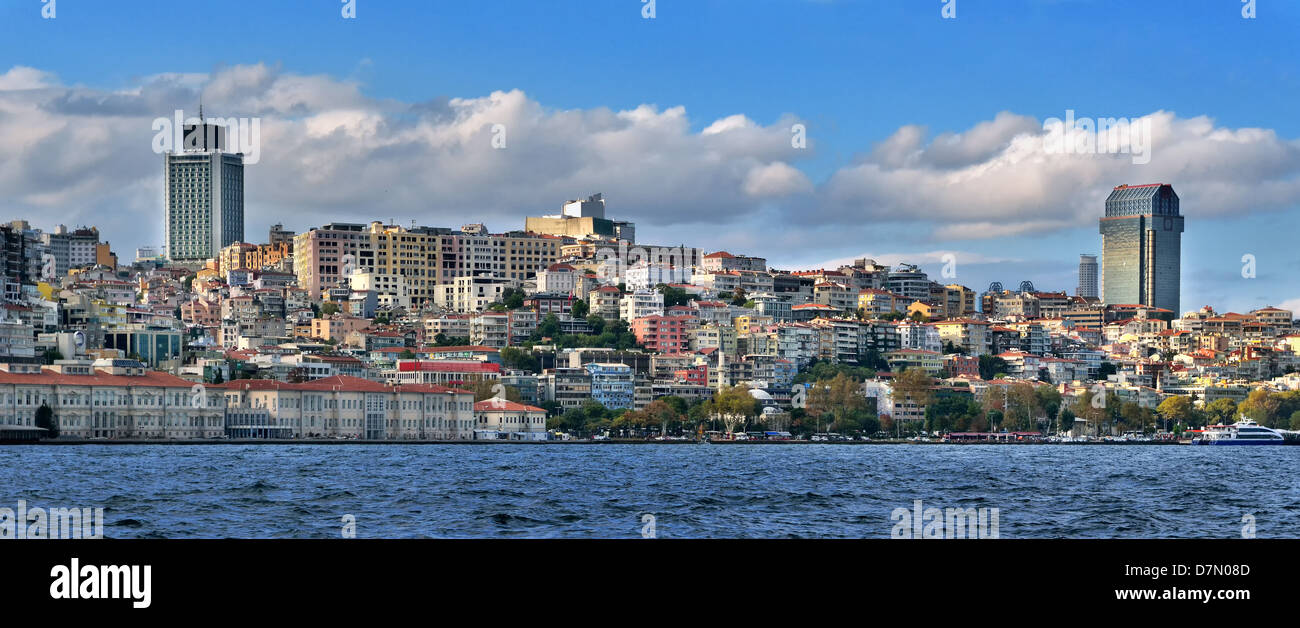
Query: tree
point(1221, 411)
point(840, 402)
point(673, 296)
point(1066, 419)
point(952, 413)
point(406, 354)
point(991, 366)
point(1022, 407)
point(1091, 409)
point(1176, 409)
point(1106, 368)
point(518, 359)
point(512, 298)
point(912, 386)
point(1049, 400)
point(45, 418)
point(549, 327)
point(329, 308)
point(52, 355)
point(1263, 407)
point(733, 406)
point(580, 309)
point(597, 324)
point(490, 388)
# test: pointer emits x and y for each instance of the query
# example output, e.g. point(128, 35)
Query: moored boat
point(1243, 432)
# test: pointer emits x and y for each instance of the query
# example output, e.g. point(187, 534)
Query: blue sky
point(854, 73)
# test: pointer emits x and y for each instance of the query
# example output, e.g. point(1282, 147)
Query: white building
point(499, 418)
point(640, 303)
point(919, 336)
point(557, 279)
point(472, 294)
point(110, 399)
point(352, 407)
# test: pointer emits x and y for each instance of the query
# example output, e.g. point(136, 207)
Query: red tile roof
point(100, 378)
point(489, 405)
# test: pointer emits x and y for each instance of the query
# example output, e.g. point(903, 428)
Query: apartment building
point(641, 303)
point(416, 261)
point(612, 384)
point(567, 387)
point(969, 335)
point(663, 334)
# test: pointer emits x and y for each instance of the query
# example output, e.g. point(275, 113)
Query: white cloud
point(998, 179)
point(329, 152)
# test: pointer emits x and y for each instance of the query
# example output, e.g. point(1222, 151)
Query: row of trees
point(1278, 410)
point(731, 410)
point(606, 334)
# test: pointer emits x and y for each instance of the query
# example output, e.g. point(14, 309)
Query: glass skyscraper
point(1141, 254)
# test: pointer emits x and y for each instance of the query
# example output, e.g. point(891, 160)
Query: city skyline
point(913, 180)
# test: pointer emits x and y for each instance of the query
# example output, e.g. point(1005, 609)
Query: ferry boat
point(1243, 432)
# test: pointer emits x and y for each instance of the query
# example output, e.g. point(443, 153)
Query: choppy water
point(767, 491)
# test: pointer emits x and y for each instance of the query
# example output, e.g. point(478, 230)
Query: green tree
point(733, 406)
point(1066, 419)
point(489, 388)
point(406, 354)
point(1263, 407)
point(1221, 411)
point(329, 308)
point(952, 413)
point(673, 295)
point(580, 309)
point(45, 418)
point(1049, 401)
point(549, 327)
point(1176, 409)
point(518, 359)
point(991, 366)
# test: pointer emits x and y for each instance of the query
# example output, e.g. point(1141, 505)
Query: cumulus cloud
point(1002, 178)
point(330, 152)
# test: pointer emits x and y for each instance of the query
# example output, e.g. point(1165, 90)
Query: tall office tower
point(1141, 255)
point(1087, 277)
point(204, 195)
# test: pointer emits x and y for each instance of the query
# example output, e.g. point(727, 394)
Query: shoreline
point(303, 441)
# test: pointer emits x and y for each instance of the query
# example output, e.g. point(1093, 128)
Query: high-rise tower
point(204, 196)
point(1141, 254)
point(1087, 277)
